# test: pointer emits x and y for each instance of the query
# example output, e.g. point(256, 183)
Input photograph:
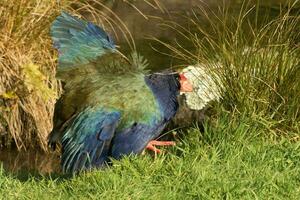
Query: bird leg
point(153, 143)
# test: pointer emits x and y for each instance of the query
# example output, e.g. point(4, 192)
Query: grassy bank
point(229, 160)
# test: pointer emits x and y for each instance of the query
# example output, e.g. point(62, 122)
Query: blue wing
point(86, 141)
point(79, 42)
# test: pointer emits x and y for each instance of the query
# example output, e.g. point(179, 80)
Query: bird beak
point(185, 85)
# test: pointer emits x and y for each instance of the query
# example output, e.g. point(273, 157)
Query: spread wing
point(79, 42)
point(85, 48)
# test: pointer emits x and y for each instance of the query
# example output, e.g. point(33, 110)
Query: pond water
point(37, 161)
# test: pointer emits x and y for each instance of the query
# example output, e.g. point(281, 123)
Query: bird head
point(206, 87)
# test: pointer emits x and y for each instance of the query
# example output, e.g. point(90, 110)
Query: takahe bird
point(110, 106)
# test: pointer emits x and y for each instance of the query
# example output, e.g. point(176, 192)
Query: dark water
point(40, 162)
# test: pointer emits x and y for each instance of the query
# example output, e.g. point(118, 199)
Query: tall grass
point(27, 71)
point(259, 59)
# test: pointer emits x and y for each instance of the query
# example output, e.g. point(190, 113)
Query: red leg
point(153, 143)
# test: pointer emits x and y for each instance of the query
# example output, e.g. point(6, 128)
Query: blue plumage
point(165, 88)
point(133, 140)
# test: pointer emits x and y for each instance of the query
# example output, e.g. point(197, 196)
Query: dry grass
point(25, 109)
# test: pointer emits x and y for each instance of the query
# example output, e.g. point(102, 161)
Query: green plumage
point(127, 93)
point(108, 64)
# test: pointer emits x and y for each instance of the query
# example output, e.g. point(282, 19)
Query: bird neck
point(165, 88)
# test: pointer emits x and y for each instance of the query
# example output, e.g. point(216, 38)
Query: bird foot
point(153, 143)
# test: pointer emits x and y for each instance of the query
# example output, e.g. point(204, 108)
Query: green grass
point(229, 160)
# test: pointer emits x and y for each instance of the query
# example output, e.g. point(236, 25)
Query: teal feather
point(79, 42)
point(88, 137)
point(85, 48)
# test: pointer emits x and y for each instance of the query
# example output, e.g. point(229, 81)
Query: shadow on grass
point(26, 175)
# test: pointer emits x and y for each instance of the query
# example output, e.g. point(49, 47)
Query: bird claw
point(153, 143)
